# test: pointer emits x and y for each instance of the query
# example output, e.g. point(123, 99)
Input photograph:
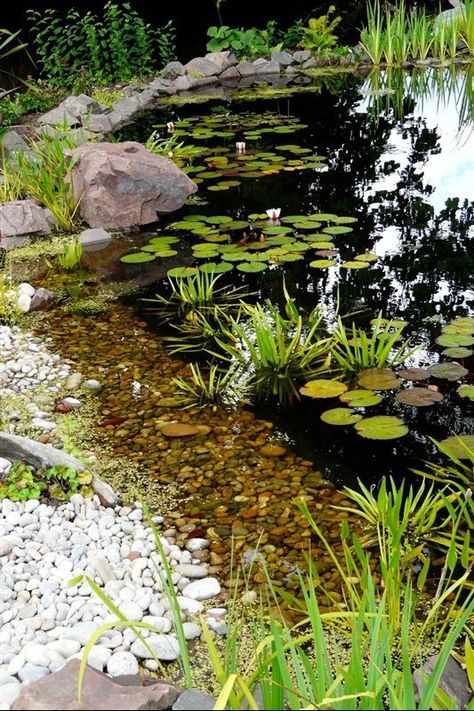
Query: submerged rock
point(122, 185)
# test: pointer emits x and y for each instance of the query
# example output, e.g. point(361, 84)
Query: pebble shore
point(43, 546)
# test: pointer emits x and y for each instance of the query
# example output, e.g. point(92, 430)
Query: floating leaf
point(456, 327)
point(366, 257)
point(323, 217)
point(354, 265)
point(460, 352)
point(447, 371)
point(137, 258)
point(361, 398)
point(292, 218)
point(378, 379)
point(195, 218)
point(414, 374)
point(381, 427)
point(419, 397)
point(179, 272)
point(326, 253)
point(306, 225)
point(218, 219)
point(459, 445)
point(340, 416)
point(290, 257)
point(344, 220)
point(322, 263)
point(277, 230)
point(201, 254)
point(237, 225)
point(164, 241)
point(453, 340)
point(215, 268)
point(323, 388)
point(337, 230)
point(466, 391)
point(251, 267)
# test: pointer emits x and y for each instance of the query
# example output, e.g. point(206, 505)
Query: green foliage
point(220, 388)
point(23, 482)
point(245, 43)
point(9, 43)
point(115, 46)
point(354, 350)
point(71, 254)
point(42, 173)
point(170, 147)
point(278, 354)
point(8, 313)
point(319, 35)
point(35, 100)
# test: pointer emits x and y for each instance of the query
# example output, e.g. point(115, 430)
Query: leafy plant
point(354, 350)
point(23, 482)
point(8, 295)
point(34, 99)
point(9, 43)
point(319, 35)
point(115, 46)
point(171, 147)
point(218, 389)
point(278, 354)
point(71, 254)
point(466, 26)
point(245, 43)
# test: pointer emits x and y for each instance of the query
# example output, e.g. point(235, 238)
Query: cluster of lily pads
point(241, 158)
point(254, 244)
point(371, 382)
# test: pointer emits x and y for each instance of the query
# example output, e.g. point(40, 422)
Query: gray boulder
point(41, 299)
point(122, 185)
point(173, 70)
point(246, 69)
point(223, 60)
point(22, 217)
point(41, 456)
point(161, 86)
point(454, 681)
point(202, 67)
point(266, 66)
point(94, 239)
point(284, 59)
point(71, 111)
point(448, 16)
point(231, 74)
point(301, 55)
point(12, 142)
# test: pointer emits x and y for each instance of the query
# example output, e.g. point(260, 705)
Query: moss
point(86, 307)
point(107, 97)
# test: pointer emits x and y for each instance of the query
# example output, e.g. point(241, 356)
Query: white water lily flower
point(274, 213)
point(240, 146)
point(170, 126)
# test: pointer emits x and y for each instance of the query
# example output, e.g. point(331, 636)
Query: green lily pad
point(180, 272)
point(277, 230)
point(218, 219)
point(290, 219)
point(460, 352)
point(137, 258)
point(306, 225)
point(366, 257)
point(378, 379)
point(344, 220)
point(381, 427)
point(251, 267)
point(459, 445)
point(340, 416)
point(466, 391)
point(323, 217)
point(355, 265)
point(195, 218)
point(323, 388)
point(164, 241)
point(182, 225)
point(447, 371)
point(454, 340)
point(322, 263)
point(290, 257)
point(414, 374)
point(337, 230)
point(456, 327)
point(419, 397)
point(237, 225)
point(215, 267)
point(361, 398)
point(206, 255)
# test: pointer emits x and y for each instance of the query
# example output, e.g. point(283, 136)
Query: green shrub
point(23, 482)
point(319, 35)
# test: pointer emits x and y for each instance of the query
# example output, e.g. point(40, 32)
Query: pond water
point(398, 153)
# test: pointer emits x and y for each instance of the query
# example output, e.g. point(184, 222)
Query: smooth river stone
point(178, 429)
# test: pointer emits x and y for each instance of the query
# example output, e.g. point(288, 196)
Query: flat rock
point(202, 67)
point(266, 66)
point(164, 646)
point(178, 429)
point(453, 682)
point(301, 55)
point(22, 217)
point(94, 239)
point(246, 69)
point(100, 692)
point(124, 185)
point(70, 111)
point(230, 74)
point(41, 456)
point(284, 59)
point(223, 60)
point(41, 299)
point(202, 589)
point(192, 699)
point(173, 70)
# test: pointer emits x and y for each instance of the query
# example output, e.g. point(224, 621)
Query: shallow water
point(403, 164)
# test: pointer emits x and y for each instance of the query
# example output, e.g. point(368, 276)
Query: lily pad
point(378, 379)
point(137, 258)
point(354, 265)
point(361, 398)
point(466, 391)
point(323, 388)
point(252, 267)
point(215, 268)
point(460, 352)
point(218, 219)
point(366, 257)
point(414, 374)
point(447, 371)
point(337, 230)
point(381, 427)
point(454, 340)
point(419, 397)
point(290, 257)
point(322, 263)
point(458, 446)
point(323, 217)
point(179, 272)
point(340, 416)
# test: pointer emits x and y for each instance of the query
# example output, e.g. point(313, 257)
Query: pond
point(395, 150)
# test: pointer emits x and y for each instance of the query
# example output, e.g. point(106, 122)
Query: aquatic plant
point(217, 388)
point(466, 27)
point(354, 350)
point(71, 254)
point(23, 482)
point(171, 147)
point(199, 294)
point(277, 354)
point(319, 36)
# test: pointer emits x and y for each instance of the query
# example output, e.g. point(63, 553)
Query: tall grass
point(467, 26)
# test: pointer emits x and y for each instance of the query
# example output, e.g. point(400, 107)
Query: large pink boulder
point(122, 185)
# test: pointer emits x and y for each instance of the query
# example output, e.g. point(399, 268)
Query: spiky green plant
point(354, 350)
point(420, 29)
point(218, 388)
point(278, 354)
point(372, 36)
point(467, 26)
